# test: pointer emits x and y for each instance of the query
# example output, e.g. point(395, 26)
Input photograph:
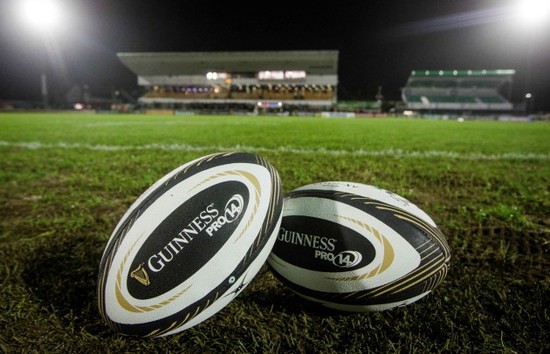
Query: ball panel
point(174, 177)
point(241, 192)
point(410, 258)
point(323, 245)
point(238, 285)
point(376, 244)
point(370, 192)
point(141, 230)
point(400, 290)
point(160, 258)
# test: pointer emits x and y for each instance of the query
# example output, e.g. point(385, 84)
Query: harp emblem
point(141, 275)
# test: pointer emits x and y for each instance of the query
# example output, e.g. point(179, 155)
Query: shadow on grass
point(62, 274)
point(269, 293)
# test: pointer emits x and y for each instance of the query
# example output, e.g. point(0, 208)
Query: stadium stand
point(458, 90)
point(283, 80)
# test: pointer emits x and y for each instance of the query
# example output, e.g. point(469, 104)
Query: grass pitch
point(66, 180)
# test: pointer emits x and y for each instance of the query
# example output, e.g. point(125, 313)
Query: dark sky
point(379, 42)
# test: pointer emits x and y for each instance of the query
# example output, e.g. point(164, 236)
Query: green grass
point(66, 179)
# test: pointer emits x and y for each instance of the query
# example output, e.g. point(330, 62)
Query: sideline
point(35, 145)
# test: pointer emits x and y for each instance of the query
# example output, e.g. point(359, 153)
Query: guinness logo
point(185, 239)
point(140, 274)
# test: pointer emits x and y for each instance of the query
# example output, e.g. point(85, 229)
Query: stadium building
point(481, 92)
point(236, 81)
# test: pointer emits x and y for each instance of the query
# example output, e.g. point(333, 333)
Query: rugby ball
point(190, 244)
point(356, 247)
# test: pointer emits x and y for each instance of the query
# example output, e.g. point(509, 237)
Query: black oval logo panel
point(322, 245)
point(188, 238)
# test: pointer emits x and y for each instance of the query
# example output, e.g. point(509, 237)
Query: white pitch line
point(125, 124)
point(35, 145)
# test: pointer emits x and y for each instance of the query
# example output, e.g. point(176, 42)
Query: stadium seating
point(290, 79)
point(479, 90)
point(249, 92)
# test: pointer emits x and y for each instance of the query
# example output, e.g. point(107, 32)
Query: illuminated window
point(216, 76)
point(282, 75)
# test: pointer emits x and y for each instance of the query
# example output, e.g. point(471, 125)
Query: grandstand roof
point(321, 62)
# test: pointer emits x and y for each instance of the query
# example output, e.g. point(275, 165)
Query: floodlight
point(44, 17)
point(533, 12)
point(41, 15)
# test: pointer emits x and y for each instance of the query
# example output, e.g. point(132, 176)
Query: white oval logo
point(347, 259)
point(233, 208)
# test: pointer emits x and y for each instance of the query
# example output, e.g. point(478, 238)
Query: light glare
point(41, 14)
point(533, 11)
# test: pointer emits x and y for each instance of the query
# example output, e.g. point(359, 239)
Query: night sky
point(379, 42)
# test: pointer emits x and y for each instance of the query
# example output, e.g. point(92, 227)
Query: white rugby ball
point(190, 244)
point(356, 247)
